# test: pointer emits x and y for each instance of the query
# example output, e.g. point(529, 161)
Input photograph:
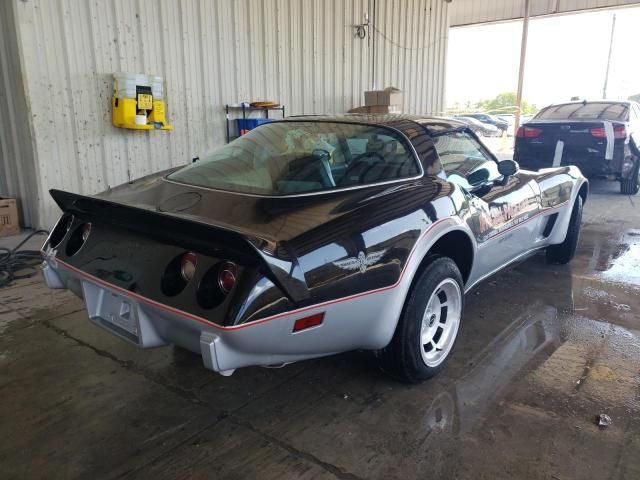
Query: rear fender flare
point(420, 253)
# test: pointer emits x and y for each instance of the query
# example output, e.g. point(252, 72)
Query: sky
point(566, 57)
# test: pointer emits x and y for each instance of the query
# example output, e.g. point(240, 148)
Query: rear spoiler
point(278, 262)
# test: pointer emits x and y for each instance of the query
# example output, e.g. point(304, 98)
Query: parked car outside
point(479, 128)
point(601, 137)
point(312, 236)
point(502, 125)
point(510, 118)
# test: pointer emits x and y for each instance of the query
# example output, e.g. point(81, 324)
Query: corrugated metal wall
point(410, 51)
point(302, 53)
point(469, 12)
point(16, 151)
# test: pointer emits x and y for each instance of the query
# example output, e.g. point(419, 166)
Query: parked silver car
point(480, 128)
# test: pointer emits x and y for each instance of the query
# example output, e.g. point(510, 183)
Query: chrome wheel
point(440, 322)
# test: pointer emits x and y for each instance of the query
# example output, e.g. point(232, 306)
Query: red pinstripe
point(279, 315)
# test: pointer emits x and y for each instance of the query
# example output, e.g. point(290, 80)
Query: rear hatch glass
point(585, 111)
point(293, 157)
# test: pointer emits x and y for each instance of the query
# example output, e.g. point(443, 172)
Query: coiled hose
point(13, 260)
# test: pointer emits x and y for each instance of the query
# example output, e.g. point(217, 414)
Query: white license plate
point(113, 311)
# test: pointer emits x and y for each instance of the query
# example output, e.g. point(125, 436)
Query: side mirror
point(508, 168)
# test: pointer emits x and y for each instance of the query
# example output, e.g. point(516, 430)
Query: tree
point(505, 103)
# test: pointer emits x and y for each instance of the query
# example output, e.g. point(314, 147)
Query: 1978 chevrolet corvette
point(312, 236)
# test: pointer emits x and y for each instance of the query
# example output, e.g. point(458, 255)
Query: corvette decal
point(504, 216)
point(361, 262)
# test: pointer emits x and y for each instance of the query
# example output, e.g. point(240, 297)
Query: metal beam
point(523, 56)
point(606, 76)
point(481, 12)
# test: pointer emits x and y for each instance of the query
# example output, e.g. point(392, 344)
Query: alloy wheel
point(440, 322)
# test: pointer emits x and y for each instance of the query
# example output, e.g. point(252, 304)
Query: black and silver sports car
point(312, 236)
point(602, 138)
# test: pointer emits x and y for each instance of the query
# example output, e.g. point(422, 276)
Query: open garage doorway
point(569, 56)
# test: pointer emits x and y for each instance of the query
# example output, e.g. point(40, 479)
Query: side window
point(375, 157)
point(464, 160)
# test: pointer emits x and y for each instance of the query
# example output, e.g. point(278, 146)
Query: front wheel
point(565, 251)
point(429, 323)
point(631, 185)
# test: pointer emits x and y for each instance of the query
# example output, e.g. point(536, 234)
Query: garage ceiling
point(469, 12)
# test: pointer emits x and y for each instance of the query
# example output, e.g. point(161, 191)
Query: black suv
point(600, 137)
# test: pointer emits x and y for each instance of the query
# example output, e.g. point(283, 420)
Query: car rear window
point(586, 111)
point(286, 158)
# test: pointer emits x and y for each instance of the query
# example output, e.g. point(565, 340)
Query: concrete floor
point(543, 350)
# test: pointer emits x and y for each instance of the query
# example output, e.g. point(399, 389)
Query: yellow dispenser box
point(138, 103)
point(157, 115)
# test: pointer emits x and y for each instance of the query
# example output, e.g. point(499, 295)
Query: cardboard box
point(8, 217)
point(388, 96)
point(371, 97)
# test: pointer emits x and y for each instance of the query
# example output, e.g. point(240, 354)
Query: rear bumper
point(592, 164)
point(348, 324)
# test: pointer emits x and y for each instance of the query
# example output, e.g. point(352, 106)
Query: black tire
point(403, 357)
point(631, 185)
point(565, 251)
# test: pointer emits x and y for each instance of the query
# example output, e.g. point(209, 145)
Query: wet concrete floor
point(543, 350)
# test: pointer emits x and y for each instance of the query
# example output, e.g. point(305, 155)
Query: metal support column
point(606, 75)
point(523, 55)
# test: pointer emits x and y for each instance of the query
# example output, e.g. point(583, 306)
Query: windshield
point(285, 158)
point(586, 111)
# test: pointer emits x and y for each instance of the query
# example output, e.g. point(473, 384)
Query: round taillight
point(178, 273)
point(60, 230)
point(86, 230)
point(78, 238)
point(216, 284)
point(227, 277)
point(188, 264)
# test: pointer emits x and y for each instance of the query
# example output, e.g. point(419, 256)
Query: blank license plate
point(113, 311)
